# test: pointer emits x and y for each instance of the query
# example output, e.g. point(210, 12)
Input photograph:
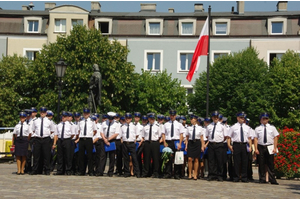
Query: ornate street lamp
point(60, 68)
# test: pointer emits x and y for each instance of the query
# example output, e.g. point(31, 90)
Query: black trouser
point(42, 148)
point(85, 144)
point(139, 158)
point(169, 165)
point(129, 147)
point(228, 165)
point(240, 158)
point(215, 159)
point(151, 151)
point(265, 159)
point(119, 155)
point(28, 165)
point(100, 157)
point(74, 157)
point(103, 158)
point(249, 167)
point(64, 159)
point(53, 158)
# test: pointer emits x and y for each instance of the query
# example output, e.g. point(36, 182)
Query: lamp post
point(60, 68)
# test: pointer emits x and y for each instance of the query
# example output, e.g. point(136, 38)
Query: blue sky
point(161, 6)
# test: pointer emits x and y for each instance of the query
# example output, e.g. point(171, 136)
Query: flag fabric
point(201, 50)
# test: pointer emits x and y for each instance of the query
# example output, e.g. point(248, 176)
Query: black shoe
point(69, 173)
point(262, 182)
point(155, 176)
point(109, 174)
point(126, 175)
point(220, 179)
point(91, 174)
point(245, 181)
point(80, 174)
point(58, 173)
point(209, 179)
point(167, 176)
point(47, 173)
point(33, 173)
point(177, 177)
point(235, 180)
point(274, 183)
point(138, 176)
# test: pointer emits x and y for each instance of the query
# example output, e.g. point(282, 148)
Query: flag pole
point(207, 67)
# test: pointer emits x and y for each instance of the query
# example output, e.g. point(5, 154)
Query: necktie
point(213, 133)
point(265, 135)
point(242, 133)
point(194, 133)
point(63, 131)
point(172, 129)
point(107, 134)
point(27, 121)
point(127, 132)
point(21, 130)
point(84, 131)
point(42, 127)
point(150, 132)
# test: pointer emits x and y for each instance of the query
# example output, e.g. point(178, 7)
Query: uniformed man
point(53, 159)
point(74, 144)
point(42, 129)
point(64, 132)
point(119, 147)
point(151, 135)
point(137, 117)
point(173, 132)
point(250, 153)
point(215, 132)
point(129, 134)
point(86, 130)
point(29, 118)
point(266, 136)
point(239, 134)
point(111, 130)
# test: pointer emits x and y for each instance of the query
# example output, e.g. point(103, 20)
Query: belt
point(213, 143)
point(85, 138)
point(195, 140)
point(239, 142)
point(22, 137)
point(42, 138)
point(151, 141)
point(64, 139)
point(128, 142)
point(264, 145)
point(117, 139)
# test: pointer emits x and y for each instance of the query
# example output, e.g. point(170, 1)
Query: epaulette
point(122, 125)
point(34, 119)
point(157, 125)
point(71, 123)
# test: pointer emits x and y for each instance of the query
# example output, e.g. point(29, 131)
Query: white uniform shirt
point(52, 134)
point(119, 124)
point(99, 131)
point(140, 128)
point(178, 129)
point(220, 132)
point(133, 132)
point(69, 130)
point(156, 133)
point(48, 127)
point(114, 128)
point(75, 124)
point(90, 128)
point(271, 134)
point(26, 129)
point(198, 132)
point(235, 132)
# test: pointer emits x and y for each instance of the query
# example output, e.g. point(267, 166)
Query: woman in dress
point(22, 133)
point(194, 139)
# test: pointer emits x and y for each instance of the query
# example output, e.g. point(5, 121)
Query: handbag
point(178, 158)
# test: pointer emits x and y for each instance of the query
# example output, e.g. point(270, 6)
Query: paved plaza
point(84, 187)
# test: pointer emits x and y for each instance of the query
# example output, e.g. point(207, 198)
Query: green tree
point(13, 88)
point(81, 49)
point(158, 92)
point(284, 84)
point(236, 83)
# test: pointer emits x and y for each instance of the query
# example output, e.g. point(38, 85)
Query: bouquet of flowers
point(166, 154)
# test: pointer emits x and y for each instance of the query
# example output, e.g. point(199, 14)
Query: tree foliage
point(158, 93)
point(236, 83)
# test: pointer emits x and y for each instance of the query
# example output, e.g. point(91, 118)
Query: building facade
point(157, 40)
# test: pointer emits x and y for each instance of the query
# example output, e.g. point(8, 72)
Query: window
point(154, 26)
point(104, 25)
point(77, 22)
point(32, 24)
point(185, 61)
point(189, 91)
point(221, 26)
point(217, 54)
point(275, 55)
point(30, 53)
point(60, 25)
point(153, 61)
point(277, 26)
point(187, 26)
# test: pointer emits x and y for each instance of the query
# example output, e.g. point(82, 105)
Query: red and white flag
point(201, 50)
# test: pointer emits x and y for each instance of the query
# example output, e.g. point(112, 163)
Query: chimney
point(49, 6)
point(171, 10)
point(240, 7)
point(148, 7)
point(95, 6)
point(198, 7)
point(30, 6)
point(232, 9)
point(282, 6)
point(25, 8)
